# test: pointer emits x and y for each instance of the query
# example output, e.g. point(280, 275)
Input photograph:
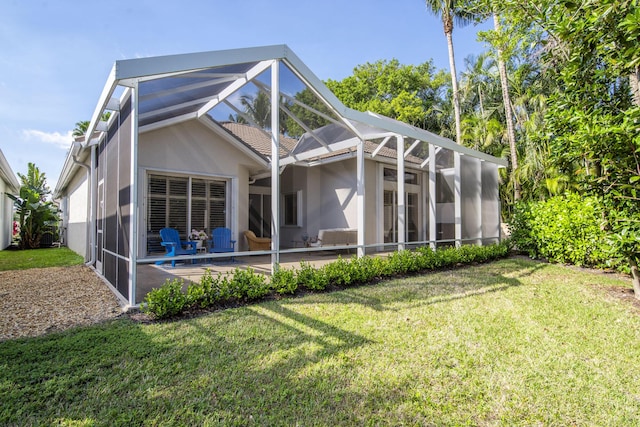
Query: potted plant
point(198, 236)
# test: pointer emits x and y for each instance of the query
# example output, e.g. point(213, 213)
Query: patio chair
point(221, 241)
point(257, 243)
point(174, 246)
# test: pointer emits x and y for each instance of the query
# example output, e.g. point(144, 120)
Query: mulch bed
point(41, 300)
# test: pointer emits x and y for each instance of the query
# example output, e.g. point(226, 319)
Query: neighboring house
point(191, 144)
point(8, 185)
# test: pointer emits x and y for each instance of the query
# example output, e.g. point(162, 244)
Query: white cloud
point(57, 139)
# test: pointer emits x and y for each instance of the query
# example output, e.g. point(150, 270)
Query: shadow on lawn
point(421, 289)
point(256, 364)
point(265, 364)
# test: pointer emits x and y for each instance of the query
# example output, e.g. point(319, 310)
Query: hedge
point(242, 286)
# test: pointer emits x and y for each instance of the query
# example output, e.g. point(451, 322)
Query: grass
point(32, 258)
point(514, 342)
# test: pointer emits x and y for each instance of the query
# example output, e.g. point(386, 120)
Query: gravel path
point(41, 300)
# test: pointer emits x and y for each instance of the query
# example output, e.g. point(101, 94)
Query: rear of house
point(185, 147)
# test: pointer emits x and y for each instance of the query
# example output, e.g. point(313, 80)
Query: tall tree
point(81, 128)
point(592, 118)
point(409, 93)
point(506, 100)
point(452, 11)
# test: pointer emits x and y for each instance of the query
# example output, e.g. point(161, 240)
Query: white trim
point(347, 143)
point(142, 67)
point(360, 202)
point(275, 165)
point(411, 148)
point(254, 72)
point(380, 146)
point(402, 220)
point(457, 201)
point(433, 219)
point(380, 204)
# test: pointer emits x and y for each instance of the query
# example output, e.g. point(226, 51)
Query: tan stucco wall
point(193, 149)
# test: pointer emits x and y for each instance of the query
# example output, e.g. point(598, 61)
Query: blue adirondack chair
point(174, 246)
point(221, 241)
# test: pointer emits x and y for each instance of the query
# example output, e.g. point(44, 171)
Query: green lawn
point(514, 342)
point(32, 258)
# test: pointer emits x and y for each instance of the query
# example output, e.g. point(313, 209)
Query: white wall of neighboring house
point(8, 185)
point(5, 216)
point(77, 238)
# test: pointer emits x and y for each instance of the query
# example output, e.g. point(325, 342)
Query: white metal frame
point(130, 73)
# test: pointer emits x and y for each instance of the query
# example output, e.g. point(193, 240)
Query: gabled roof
point(236, 85)
point(261, 143)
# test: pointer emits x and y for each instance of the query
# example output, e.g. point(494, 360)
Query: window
point(391, 175)
point(184, 203)
point(292, 209)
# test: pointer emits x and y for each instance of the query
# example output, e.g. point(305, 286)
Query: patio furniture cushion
point(257, 243)
point(336, 237)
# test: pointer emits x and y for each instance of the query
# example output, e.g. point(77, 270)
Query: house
point(241, 137)
point(8, 185)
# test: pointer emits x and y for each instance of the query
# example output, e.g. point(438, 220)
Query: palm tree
point(452, 11)
point(506, 100)
point(81, 128)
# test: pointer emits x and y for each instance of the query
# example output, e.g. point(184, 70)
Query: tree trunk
point(454, 85)
point(635, 86)
point(635, 276)
point(506, 100)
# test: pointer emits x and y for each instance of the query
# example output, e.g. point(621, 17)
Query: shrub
point(312, 278)
point(204, 293)
point(284, 281)
point(562, 229)
point(248, 284)
point(166, 301)
point(339, 272)
point(367, 268)
point(402, 262)
point(169, 300)
point(425, 258)
point(446, 257)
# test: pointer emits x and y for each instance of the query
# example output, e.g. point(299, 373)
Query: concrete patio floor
point(152, 276)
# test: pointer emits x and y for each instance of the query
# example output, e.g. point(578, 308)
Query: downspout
point(93, 207)
point(90, 195)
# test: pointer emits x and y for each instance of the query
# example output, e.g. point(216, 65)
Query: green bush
point(284, 281)
point(366, 268)
point(339, 272)
point(564, 229)
point(312, 278)
point(169, 300)
point(403, 262)
point(247, 284)
point(204, 293)
point(166, 301)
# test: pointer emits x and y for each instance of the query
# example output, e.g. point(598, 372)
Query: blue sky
point(56, 55)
